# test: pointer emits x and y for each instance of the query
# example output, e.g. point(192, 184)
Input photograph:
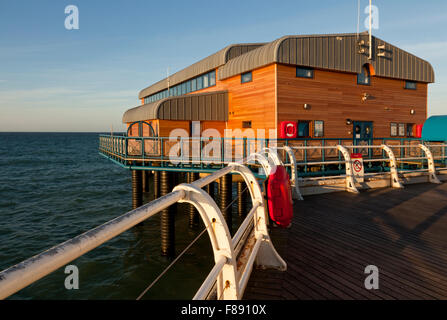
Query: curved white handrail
point(350, 184)
point(229, 286)
point(296, 194)
point(431, 165)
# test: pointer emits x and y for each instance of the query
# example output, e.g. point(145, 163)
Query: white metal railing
point(349, 177)
point(229, 280)
point(230, 283)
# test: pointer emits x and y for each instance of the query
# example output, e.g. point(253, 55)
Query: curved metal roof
point(211, 106)
point(434, 129)
point(207, 64)
point(341, 52)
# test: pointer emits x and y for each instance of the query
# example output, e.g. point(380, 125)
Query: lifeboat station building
point(336, 86)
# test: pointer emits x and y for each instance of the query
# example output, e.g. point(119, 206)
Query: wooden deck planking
point(335, 236)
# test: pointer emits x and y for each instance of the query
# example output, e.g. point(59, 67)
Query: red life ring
point(288, 130)
point(279, 197)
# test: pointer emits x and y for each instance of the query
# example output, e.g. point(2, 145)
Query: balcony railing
point(209, 154)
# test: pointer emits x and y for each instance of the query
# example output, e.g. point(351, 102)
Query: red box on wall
point(418, 133)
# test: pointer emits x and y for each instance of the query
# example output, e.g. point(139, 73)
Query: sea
point(55, 186)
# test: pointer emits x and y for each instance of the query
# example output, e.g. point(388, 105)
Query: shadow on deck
point(335, 236)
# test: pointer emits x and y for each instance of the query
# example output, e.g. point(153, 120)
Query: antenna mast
point(358, 18)
point(370, 29)
point(167, 77)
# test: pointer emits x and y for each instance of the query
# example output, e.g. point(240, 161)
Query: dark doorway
point(362, 135)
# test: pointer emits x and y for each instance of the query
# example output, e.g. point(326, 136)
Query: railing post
point(350, 184)
point(294, 174)
point(431, 165)
point(267, 256)
point(227, 285)
point(393, 167)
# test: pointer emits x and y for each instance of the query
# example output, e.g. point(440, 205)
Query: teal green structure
point(435, 129)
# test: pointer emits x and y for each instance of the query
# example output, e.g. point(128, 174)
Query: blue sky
point(53, 79)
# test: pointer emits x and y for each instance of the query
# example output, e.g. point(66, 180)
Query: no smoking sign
point(357, 167)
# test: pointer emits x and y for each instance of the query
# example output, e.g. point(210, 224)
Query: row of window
point(306, 127)
point(300, 72)
point(209, 79)
point(363, 78)
point(402, 129)
point(198, 83)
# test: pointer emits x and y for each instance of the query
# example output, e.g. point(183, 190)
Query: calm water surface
point(54, 186)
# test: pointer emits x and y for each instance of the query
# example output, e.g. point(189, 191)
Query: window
point(303, 129)
point(410, 129)
point(199, 83)
point(304, 72)
point(246, 77)
point(188, 86)
point(194, 84)
point(364, 77)
point(411, 85)
point(393, 127)
point(246, 124)
point(212, 78)
point(318, 128)
point(401, 129)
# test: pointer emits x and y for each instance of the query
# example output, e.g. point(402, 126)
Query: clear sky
point(53, 79)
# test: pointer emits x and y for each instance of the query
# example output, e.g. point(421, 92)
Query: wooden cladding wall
point(251, 101)
point(335, 96)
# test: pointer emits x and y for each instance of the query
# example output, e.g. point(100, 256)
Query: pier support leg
point(167, 217)
point(193, 214)
point(137, 195)
point(145, 180)
point(210, 189)
point(156, 184)
point(225, 199)
point(241, 204)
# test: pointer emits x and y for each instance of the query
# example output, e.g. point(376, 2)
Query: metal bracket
point(431, 165)
point(268, 166)
point(267, 256)
point(227, 285)
point(294, 174)
point(395, 183)
point(350, 184)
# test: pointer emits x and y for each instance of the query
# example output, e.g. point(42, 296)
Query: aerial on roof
point(340, 52)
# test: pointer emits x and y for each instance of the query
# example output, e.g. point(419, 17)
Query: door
point(363, 131)
point(362, 135)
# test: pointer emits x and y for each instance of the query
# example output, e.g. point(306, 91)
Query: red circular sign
point(357, 166)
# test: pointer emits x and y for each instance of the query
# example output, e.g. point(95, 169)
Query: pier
point(391, 218)
point(335, 236)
